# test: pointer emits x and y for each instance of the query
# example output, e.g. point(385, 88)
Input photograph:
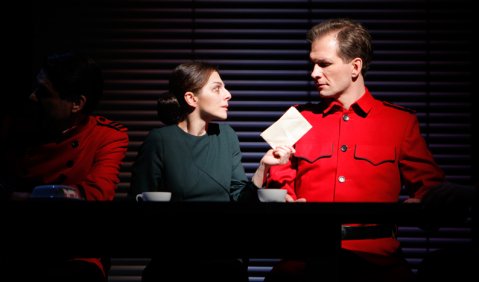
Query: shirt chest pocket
point(376, 155)
point(314, 152)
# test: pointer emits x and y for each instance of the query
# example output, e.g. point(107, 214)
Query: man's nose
point(317, 71)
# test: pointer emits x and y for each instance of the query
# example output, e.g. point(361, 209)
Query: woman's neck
point(194, 127)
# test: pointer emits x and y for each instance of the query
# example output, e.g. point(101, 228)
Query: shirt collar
point(361, 107)
point(67, 133)
point(331, 106)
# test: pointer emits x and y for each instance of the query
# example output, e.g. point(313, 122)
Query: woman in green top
point(198, 160)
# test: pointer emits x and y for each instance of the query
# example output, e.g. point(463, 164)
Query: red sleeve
point(417, 165)
point(102, 179)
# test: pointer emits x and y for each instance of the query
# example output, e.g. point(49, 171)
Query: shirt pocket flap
point(376, 155)
point(313, 152)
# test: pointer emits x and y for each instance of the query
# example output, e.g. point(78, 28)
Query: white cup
point(272, 195)
point(154, 197)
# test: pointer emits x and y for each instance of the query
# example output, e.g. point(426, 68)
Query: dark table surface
point(130, 229)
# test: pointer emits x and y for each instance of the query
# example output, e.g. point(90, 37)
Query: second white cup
point(272, 195)
point(154, 197)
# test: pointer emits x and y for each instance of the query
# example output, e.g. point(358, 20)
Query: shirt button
point(70, 163)
point(344, 148)
point(342, 179)
point(345, 117)
point(74, 143)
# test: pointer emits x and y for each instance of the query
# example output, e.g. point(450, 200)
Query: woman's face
point(213, 99)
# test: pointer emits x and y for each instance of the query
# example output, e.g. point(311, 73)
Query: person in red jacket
point(57, 140)
point(359, 149)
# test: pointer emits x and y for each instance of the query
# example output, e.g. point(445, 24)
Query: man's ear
point(79, 104)
point(190, 99)
point(357, 65)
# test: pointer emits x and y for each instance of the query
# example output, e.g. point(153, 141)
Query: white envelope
point(287, 130)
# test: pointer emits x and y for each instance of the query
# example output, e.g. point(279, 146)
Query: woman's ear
point(191, 99)
point(79, 104)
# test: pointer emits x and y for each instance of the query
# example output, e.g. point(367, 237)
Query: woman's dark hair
point(73, 74)
point(188, 77)
point(168, 109)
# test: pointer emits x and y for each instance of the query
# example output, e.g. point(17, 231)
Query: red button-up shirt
point(364, 154)
point(87, 156)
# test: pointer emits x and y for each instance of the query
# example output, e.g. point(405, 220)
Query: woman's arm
point(277, 156)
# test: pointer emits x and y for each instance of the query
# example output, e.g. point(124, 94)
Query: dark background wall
point(423, 60)
point(423, 53)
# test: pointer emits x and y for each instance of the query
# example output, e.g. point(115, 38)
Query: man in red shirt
point(359, 150)
point(57, 140)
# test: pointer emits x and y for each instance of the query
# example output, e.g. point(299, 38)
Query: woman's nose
point(228, 94)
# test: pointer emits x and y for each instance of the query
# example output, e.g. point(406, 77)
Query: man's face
point(55, 112)
point(331, 75)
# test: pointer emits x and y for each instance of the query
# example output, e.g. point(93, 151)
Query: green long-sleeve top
point(193, 168)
